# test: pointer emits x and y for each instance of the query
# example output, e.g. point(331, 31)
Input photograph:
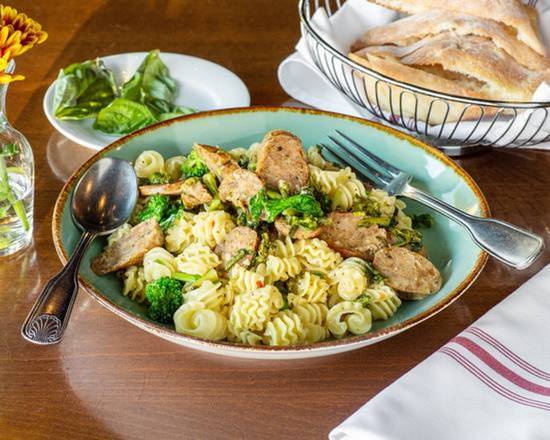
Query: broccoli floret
point(172, 213)
point(165, 297)
point(158, 178)
point(156, 207)
point(194, 166)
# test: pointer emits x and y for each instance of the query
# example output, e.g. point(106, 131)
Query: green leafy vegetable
point(156, 207)
point(185, 277)
point(165, 297)
point(369, 221)
point(364, 299)
point(158, 178)
point(123, 116)
point(194, 166)
point(374, 276)
point(422, 221)
point(174, 211)
point(264, 249)
point(368, 206)
point(153, 86)
point(407, 238)
point(83, 89)
point(263, 208)
point(211, 184)
point(238, 256)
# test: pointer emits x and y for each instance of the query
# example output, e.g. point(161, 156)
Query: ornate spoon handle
point(49, 315)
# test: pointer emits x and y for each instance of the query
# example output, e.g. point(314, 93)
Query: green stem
point(17, 205)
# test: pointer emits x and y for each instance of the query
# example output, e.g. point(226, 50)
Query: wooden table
point(110, 380)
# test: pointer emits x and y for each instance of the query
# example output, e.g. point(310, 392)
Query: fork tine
point(362, 150)
point(365, 170)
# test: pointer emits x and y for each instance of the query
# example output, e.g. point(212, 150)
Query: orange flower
point(18, 34)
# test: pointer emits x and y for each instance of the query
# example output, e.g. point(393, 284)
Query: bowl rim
point(348, 342)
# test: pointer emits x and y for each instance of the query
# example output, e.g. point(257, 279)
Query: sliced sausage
point(238, 238)
point(408, 272)
point(130, 249)
point(194, 194)
point(282, 157)
point(239, 187)
point(218, 161)
point(344, 235)
point(168, 189)
point(284, 229)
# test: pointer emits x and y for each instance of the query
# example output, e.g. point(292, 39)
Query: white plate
point(202, 85)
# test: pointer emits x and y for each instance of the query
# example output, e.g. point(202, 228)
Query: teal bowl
point(451, 249)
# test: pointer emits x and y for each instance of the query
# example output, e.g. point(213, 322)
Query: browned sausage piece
point(284, 229)
point(238, 238)
point(239, 187)
point(194, 194)
point(408, 272)
point(281, 157)
point(343, 234)
point(168, 189)
point(217, 160)
point(130, 249)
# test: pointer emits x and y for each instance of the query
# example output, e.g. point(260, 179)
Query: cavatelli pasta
point(383, 301)
point(172, 167)
point(147, 163)
point(118, 233)
point(211, 227)
point(179, 235)
point(349, 279)
point(252, 310)
point(308, 288)
point(285, 328)
point(193, 318)
point(158, 263)
point(316, 256)
point(133, 280)
point(197, 259)
point(348, 316)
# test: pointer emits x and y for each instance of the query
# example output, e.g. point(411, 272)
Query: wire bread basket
point(455, 124)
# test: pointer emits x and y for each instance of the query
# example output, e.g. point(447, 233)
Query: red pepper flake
point(260, 284)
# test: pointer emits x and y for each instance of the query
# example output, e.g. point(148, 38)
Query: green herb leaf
point(123, 116)
point(82, 90)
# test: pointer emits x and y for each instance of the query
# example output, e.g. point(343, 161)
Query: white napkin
point(490, 382)
point(301, 79)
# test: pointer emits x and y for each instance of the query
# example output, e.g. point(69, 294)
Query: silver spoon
point(103, 200)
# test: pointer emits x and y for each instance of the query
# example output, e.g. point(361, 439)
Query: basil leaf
point(123, 116)
point(82, 90)
point(153, 86)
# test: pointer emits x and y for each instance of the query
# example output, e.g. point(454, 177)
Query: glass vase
point(16, 184)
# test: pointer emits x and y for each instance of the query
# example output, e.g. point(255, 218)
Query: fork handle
point(510, 244)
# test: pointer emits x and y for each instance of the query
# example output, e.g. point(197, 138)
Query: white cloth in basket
point(301, 79)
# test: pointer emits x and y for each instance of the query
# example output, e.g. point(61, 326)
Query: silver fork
point(510, 244)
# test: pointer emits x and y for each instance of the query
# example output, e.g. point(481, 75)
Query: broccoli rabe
point(422, 221)
point(263, 208)
point(194, 166)
point(174, 211)
point(165, 297)
point(407, 238)
point(158, 178)
point(156, 207)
